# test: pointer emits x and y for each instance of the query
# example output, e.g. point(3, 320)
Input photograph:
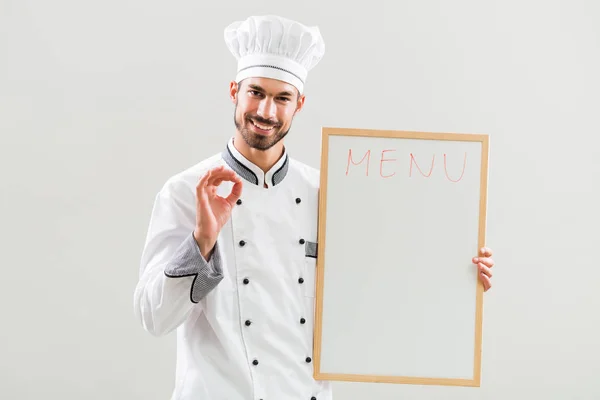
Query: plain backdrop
point(102, 101)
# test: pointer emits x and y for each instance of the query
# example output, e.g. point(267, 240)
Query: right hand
point(212, 210)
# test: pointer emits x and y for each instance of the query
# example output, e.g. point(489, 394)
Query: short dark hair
point(239, 83)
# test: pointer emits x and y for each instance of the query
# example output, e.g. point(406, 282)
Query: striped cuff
point(188, 261)
point(311, 249)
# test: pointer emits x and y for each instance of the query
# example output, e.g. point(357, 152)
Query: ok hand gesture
point(212, 210)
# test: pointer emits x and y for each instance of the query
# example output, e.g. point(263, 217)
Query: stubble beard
point(255, 140)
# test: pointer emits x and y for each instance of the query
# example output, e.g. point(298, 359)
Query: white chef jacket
point(244, 319)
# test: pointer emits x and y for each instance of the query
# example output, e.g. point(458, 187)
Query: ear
point(233, 91)
point(300, 103)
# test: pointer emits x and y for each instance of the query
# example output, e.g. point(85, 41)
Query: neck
point(264, 159)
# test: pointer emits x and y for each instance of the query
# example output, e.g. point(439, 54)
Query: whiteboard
point(401, 215)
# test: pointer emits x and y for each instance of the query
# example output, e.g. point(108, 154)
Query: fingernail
point(476, 260)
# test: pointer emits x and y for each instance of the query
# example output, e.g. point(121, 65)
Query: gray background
point(102, 101)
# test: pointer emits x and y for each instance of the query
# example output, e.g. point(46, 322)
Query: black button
point(300, 280)
point(246, 281)
point(239, 201)
point(301, 241)
point(298, 200)
point(248, 322)
point(313, 398)
point(255, 362)
point(302, 320)
point(242, 243)
point(308, 359)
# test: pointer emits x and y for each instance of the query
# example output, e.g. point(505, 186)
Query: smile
point(265, 128)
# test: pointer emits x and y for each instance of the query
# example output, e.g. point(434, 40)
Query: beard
point(256, 140)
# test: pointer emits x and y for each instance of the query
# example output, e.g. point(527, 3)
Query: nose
point(266, 109)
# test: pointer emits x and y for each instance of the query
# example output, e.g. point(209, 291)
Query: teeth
point(263, 127)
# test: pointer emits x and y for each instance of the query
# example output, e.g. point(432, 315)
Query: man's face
point(264, 110)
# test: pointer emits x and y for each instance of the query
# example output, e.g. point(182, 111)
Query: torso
point(270, 282)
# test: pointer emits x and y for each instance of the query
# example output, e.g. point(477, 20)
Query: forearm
point(161, 304)
point(168, 290)
point(205, 243)
point(189, 261)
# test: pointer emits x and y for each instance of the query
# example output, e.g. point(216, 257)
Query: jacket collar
point(251, 172)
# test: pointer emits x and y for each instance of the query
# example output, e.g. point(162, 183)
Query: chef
point(230, 253)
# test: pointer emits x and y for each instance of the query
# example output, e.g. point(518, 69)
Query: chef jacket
point(244, 317)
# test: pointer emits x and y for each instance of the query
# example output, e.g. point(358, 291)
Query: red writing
point(461, 174)
point(367, 156)
point(412, 161)
point(381, 164)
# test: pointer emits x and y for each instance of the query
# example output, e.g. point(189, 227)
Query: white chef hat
point(274, 47)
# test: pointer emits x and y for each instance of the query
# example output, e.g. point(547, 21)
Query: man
point(229, 259)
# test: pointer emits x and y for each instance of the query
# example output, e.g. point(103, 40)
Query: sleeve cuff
point(188, 261)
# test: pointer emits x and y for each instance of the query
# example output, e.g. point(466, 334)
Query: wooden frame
point(327, 132)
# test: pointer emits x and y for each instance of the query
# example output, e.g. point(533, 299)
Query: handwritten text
point(387, 165)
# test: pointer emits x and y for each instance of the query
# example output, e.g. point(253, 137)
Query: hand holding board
point(401, 215)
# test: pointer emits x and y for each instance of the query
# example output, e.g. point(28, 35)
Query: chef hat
point(274, 47)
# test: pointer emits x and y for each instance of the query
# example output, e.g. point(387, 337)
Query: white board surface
point(402, 214)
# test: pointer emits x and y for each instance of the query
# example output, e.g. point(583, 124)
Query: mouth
point(262, 128)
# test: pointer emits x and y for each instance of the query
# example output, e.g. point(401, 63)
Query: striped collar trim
point(251, 172)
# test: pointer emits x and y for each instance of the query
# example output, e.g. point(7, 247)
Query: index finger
point(220, 175)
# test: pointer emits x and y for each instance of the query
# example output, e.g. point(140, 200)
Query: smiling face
point(264, 110)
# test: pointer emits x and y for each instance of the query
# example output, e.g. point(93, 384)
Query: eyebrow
point(256, 87)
